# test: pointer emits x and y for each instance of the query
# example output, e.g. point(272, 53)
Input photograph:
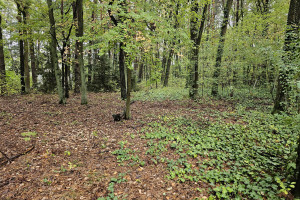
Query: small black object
point(117, 117)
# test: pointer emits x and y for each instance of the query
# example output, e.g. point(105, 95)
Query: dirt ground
point(70, 157)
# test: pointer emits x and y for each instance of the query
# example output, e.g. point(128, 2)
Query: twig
point(15, 157)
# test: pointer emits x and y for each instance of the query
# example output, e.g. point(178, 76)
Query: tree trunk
point(164, 61)
point(127, 110)
point(122, 71)
point(196, 37)
point(76, 60)
point(296, 190)
point(62, 50)
point(21, 51)
point(90, 64)
point(33, 64)
point(290, 45)
point(237, 13)
point(53, 52)
point(67, 70)
point(217, 71)
point(26, 53)
point(79, 44)
point(168, 67)
point(2, 63)
point(32, 60)
point(140, 76)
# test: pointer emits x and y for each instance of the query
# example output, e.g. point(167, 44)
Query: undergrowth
point(253, 159)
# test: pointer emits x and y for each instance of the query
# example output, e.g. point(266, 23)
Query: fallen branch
point(8, 160)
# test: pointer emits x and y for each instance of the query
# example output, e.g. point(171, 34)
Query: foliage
point(13, 84)
point(126, 154)
point(113, 181)
point(161, 94)
point(253, 158)
point(27, 135)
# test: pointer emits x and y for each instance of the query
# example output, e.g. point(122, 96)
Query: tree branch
point(110, 15)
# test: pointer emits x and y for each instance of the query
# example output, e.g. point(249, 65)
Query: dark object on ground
point(117, 117)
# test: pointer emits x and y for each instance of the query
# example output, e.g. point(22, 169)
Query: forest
point(149, 99)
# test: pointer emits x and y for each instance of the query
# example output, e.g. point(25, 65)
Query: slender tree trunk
point(2, 63)
point(33, 63)
point(67, 70)
point(32, 59)
point(168, 67)
point(296, 190)
point(63, 59)
point(164, 62)
point(140, 76)
point(122, 71)
point(26, 53)
point(76, 60)
point(53, 52)
point(196, 37)
point(38, 53)
point(237, 13)
point(21, 51)
point(217, 71)
point(127, 110)
point(90, 64)
point(79, 44)
point(291, 39)
point(62, 51)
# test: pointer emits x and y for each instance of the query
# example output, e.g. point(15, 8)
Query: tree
point(122, 53)
point(65, 50)
point(24, 11)
point(21, 47)
point(33, 61)
point(79, 47)
point(53, 53)
point(127, 109)
point(291, 52)
point(220, 50)
point(76, 61)
point(196, 36)
point(2, 62)
point(296, 190)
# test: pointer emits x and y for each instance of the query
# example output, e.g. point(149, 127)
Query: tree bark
point(168, 67)
point(220, 51)
point(296, 190)
point(2, 63)
point(90, 64)
point(79, 44)
point(33, 63)
point(67, 70)
point(196, 37)
point(122, 71)
point(291, 39)
point(122, 53)
point(141, 68)
point(21, 49)
point(32, 60)
point(26, 52)
point(53, 52)
point(76, 60)
point(127, 110)
point(172, 45)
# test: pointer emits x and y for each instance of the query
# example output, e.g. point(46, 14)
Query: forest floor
point(77, 151)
